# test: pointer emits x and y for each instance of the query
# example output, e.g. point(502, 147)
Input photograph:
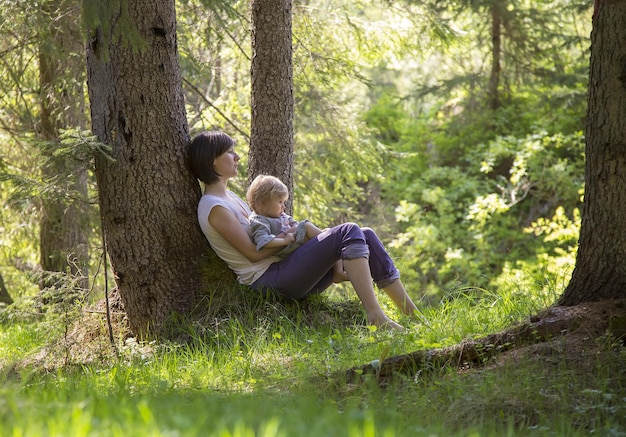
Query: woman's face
point(227, 164)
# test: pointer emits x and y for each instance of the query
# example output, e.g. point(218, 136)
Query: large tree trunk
point(600, 271)
point(148, 197)
point(271, 148)
point(64, 227)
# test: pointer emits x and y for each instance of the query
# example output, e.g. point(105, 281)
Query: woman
point(223, 218)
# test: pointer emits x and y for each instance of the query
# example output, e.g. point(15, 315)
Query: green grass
point(265, 368)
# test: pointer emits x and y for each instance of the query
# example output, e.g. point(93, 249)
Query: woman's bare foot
point(384, 322)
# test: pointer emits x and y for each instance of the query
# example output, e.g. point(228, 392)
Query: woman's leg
point(385, 273)
point(383, 269)
point(309, 269)
point(400, 297)
point(359, 274)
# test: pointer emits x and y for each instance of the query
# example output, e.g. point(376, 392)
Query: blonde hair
point(265, 187)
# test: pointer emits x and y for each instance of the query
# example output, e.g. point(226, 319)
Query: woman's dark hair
point(203, 149)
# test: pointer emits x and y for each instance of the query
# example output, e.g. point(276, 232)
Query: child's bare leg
point(311, 230)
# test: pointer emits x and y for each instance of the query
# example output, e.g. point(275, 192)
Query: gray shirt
point(264, 229)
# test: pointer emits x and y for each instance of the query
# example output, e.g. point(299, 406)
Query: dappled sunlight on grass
point(271, 368)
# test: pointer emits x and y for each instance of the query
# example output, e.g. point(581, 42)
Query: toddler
point(269, 225)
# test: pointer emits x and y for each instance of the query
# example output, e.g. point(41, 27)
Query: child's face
point(274, 206)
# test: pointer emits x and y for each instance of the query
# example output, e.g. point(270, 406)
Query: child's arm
point(263, 237)
point(279, 241)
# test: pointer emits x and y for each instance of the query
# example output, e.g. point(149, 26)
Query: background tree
point(19, 157)
point(42, 89)
point(496, 51)
point(272, 103)
point(5, 297)
point(147, 196)
point(392, 128)
point(64, 226)
point(215, 63)
point(600, 271)
point(469, 178)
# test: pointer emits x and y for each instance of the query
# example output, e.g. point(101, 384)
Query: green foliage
point(463, 225)
point(18, 236)
point(214, 59)
point(74, 145)
point(23, 193)
point(480, 208)
point(330, 87)
point(24, 36)
point(466, 180)
point(391, 128)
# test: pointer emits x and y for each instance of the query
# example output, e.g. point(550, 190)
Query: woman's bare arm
point(227, 225)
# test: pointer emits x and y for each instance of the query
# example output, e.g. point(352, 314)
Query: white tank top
point(247, 271)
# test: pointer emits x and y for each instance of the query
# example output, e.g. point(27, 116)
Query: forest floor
point(575, 334)
point(560, 369)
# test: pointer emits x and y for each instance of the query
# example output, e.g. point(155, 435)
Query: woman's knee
point(376, 246)
point(349, 225)
point(351, 231)
point(353, 242)
point(368, 232)
point(370, 236)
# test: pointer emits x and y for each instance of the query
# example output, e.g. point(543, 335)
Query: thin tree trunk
point(64, 223)
point(271, 148)
point(496, 50)
point(5, 297)
point(148, 197)
point(600, 271)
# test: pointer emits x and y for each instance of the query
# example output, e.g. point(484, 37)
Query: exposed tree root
point(590, 319)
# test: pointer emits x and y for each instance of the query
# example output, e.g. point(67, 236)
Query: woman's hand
point(227, 225)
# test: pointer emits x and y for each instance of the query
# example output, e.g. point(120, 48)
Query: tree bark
point(551, 326)
point(148, 197)
point(5, 297)
point(466, 353)
point(64, 227)
point(600, 271)
point(271, 139)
